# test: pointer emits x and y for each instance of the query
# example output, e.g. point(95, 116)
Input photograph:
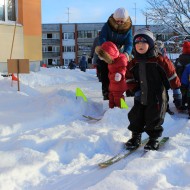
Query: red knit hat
point(111, 49)
point(186, 47)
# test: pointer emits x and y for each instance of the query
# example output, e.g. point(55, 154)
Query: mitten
point(118, 77)
point(138, 95)
point(177, 98)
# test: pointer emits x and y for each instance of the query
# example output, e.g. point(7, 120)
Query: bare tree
point(172, 13)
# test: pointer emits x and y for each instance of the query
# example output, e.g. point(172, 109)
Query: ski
point(120, 156)
point(91, 118)
point(161, 143)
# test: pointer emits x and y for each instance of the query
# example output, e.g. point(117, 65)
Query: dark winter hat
point(108, 51)
point(144, 35)
point(186, 47)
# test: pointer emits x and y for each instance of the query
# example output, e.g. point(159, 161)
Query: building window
point(67, 36)
point(84, 47)
point(87, 34)
point(7, 10)
point(49, 36)
point(69, 48)
point(49, 48)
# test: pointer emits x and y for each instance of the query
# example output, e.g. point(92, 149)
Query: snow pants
point(114, 99)
point(104, 77)
point(148, 118)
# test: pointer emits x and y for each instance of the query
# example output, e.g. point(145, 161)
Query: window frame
point(68, 48)
point(6, 14)
point(68, 36)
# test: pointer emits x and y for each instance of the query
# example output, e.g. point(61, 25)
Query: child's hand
point(118, 77)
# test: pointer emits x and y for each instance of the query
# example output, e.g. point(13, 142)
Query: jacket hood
point(119, 28)
point(107, 51)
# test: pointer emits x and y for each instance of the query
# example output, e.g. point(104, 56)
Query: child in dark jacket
point(83, 64)
point(180, 64)
point(185, 82)
point(117, 63)
point(151, 73)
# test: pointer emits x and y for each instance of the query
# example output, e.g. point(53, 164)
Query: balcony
point(50, 54)
point(50, 41)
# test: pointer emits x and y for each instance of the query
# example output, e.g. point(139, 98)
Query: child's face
point(141, 47)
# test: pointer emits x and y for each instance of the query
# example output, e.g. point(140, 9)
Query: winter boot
point(134, 142)
point(152, 144)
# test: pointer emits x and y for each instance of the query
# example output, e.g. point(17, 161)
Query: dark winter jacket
point(72, 65)
point(185, 79)
point(93, 53)
point(180, 63)
point(95, 43)
point(120, 35)
point(83, 63)
point(151, 76)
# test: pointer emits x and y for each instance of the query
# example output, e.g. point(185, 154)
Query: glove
point(138, 96)
point(177, 98)
point(118, 77)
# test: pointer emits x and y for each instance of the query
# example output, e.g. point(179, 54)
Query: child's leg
point(117, 98)
point(154, 117)
point(111, 100)
point(136, 118)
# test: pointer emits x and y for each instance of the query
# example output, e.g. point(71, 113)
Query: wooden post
point(18, 71)
point(12, 46)
point(18, 66)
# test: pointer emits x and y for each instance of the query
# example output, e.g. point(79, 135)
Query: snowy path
point(46, 144)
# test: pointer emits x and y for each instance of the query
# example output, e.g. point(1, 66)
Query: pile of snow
point(46, 143)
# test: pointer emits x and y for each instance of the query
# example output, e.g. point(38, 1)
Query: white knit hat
point(120, 13)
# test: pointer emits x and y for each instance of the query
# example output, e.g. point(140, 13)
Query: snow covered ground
point(46, 143)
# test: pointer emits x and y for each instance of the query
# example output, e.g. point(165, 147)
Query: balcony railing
point(50, 54)
point(50, 41)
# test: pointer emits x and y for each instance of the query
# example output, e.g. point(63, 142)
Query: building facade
point(20, 32)
point(62, 43)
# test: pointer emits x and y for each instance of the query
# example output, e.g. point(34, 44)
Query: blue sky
point(89, 11)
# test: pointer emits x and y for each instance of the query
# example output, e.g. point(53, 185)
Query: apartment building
point(20, 32)
point(64, 42)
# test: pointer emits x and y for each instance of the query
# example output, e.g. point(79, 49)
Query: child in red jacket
point(117, 63)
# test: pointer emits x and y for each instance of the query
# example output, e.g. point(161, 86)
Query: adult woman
point(118, 29)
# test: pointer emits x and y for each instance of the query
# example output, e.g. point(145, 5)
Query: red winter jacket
point(117, 63)
point(118, 66)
